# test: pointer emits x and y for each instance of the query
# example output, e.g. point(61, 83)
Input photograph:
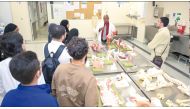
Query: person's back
point(27, 96)
point(58, 35)
point(25, 68)
point(73, 84)
point(11, 44)
point(78, 84)
point(72, 33)
point(7, 81)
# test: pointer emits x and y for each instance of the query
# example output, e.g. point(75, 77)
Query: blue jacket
point(30, 96)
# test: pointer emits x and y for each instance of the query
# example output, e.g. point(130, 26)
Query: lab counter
point(137, 63)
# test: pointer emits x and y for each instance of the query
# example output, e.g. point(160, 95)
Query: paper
point(58, 11)
point(69, 6)
point(76, 5)
point(97, 7)
point(81, 16)
point(84, 6)
point(77, 15)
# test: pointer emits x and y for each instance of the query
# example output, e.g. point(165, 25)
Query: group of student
point(22, 82)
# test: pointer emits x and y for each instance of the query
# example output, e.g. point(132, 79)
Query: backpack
point(50, 63)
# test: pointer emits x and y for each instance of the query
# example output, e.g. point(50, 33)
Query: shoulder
point(4, 65)
point(9, 96)
point(5, 61)
point(60, 68)
point(86, 74)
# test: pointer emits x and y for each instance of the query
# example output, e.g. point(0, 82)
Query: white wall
point(117, 16)
point(177, 7)
point(21, 18)
point(5, 13)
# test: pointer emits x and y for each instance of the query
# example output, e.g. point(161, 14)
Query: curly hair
point(77, 48)
point(11, 44)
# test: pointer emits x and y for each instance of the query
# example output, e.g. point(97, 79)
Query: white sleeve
point(113, 28)
point(100, 25)
point(41, 80)
point(64, 57)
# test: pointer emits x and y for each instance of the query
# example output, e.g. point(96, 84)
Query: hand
point(143, 103)
point(101, 29)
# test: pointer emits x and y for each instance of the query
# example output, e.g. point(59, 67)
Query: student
point(104, 28)
point(49, 31)
point(25, 68)
point(72, 33)
point(11, 45)
point(159, 45)
point(65, 23)
point(11, 28)
point(58, 35)
point(73, 84)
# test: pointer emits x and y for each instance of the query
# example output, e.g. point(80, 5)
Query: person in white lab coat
point(104, 28)
point(11, 45)
point(159, 46)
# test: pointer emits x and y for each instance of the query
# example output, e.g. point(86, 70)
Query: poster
point(59, 12)
point(76, 5)
point(69, 6)
point(77, 15)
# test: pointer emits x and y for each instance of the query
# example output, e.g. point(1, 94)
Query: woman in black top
point(72, 33)
point(65, 23)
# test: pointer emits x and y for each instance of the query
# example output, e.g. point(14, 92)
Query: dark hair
point(24, 66)
point(65, 23)
point(11, 44)
point(57, 31)
point(51, 25)
point(77, 48)
point(10, 28)
point(72, 33)
point(165, 21)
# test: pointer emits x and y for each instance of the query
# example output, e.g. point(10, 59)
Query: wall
point(21, 18)
point(180, 7)
point(117, 16)
point(42, 11)
point(5, 13)
point(169, 8)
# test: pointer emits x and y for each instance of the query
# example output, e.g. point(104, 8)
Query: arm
point(99, 27)
point(92, 95)
point(158, 38)
point(53, 85)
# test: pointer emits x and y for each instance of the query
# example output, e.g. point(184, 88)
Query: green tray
point(97, 70)
point(115, 91)
point(108, 62)
point(127, 64)
point(101, 54)
point(112, 46)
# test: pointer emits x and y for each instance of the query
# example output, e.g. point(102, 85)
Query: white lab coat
point(100, 25)
point(7, 82)
point(160, 41)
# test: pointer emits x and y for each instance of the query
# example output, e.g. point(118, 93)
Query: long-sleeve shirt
point(74, 85)
point(159, 43)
